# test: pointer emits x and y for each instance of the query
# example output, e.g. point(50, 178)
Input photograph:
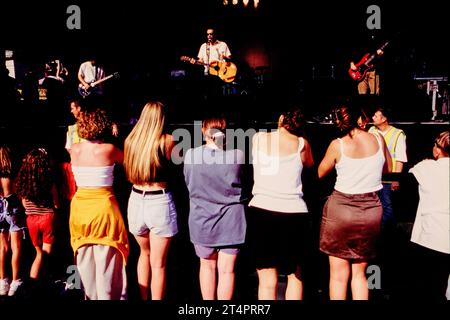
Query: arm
point(118, 156)
point(401, 156)
point(387, 167)
point(81, 79)
point(226, 54)
point(306, 155)
point(115, 130)
point(329, 160)
point(168, 146)
point(55, 197)
point(5, 183)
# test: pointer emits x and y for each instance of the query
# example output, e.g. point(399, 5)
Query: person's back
point(278, 160)
point(89, 154)
point(213, 180)
point(430, 234)
point(217, 224)
point(98, 235)
point(359, 163)
point(278, 219)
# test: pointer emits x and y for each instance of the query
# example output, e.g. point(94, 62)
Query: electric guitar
point(225, 70)
point(84, 92)
point(365, 64)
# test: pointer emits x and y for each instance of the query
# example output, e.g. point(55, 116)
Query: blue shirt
point(213, 178)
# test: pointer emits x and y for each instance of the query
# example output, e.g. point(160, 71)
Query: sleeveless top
point(359, 175)
point(93, 176)
point(164, 171)
point(277, 181)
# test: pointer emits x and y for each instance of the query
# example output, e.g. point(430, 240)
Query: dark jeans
point(385, 196)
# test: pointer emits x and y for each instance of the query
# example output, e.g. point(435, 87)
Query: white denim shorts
point(152, 212)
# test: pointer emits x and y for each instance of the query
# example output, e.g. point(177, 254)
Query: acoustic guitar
point(225, 70)
point(84, 92)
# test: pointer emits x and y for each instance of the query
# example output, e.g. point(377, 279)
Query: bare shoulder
point(334, 145)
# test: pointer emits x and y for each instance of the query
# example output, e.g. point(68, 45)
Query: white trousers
point(102, 272)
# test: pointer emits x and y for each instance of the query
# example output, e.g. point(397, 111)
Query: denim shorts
point(11, 217)
point(152, 212)
point(206, 252)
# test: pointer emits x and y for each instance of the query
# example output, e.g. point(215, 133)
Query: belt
point(144, 192)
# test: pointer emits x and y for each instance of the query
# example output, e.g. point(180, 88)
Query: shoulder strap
point(301, 144)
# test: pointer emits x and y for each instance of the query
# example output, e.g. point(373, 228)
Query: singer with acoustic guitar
point(212, 53)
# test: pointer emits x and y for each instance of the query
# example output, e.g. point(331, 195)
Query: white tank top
point(359, 175)
point(93, 176)
point(277, 181)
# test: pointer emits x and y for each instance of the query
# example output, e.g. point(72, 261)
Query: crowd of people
point(273, 224)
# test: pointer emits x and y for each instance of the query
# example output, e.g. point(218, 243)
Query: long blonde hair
point(5, 162)
point(144, 145)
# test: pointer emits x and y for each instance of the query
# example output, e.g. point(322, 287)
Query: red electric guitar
point(365, 64)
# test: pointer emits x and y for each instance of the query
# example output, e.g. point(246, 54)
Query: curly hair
point(5, 162)
point(35, 178)
point(294, 122)
point(94, 125)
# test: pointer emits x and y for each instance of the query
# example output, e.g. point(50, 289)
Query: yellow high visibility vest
point(391, 139)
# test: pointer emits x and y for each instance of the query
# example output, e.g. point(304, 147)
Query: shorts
point(12, 217)
point(40, 228)
point(206, 252)
point(152, 212)
point(278, 239)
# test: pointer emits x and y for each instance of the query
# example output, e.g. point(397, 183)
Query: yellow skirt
point(95, 218)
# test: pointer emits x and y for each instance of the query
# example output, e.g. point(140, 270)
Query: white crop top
point(360, 175)
point(93, 176)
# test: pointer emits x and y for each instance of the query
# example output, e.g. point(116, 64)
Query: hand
point(352, 66)
point(192, 60)
point(395, 185)
point(380, 52)
point(115, 130)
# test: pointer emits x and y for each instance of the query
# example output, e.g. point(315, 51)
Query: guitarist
point(370, 84)
point(90, 72)
point(210, 51)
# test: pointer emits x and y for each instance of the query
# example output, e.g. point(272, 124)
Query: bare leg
point(294, 289)
point(225, 266)
point(268, 282)
point(4, 246)
point(16, 244)
point(207, 276)
point(360, 290)
point(143, 265)
point(339, 275)
point(158, 257)
point(36, 266)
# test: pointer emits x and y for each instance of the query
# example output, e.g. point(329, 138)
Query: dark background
point(302, 49)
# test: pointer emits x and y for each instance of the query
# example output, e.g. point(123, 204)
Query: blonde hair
point(144, 145)
point(5, 162)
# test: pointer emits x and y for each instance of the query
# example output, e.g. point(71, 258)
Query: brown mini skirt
point(351, 225)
